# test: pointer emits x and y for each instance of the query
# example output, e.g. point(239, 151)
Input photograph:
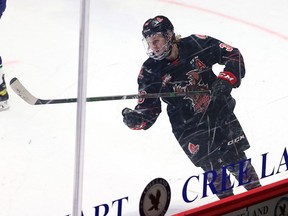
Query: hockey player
point(3, 90)
point(204, 124)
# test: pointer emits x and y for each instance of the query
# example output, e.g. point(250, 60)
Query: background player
point(3, 89)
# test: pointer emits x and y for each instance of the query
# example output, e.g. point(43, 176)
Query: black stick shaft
point(20, 90)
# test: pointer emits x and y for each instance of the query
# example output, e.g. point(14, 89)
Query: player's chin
point(158, 53)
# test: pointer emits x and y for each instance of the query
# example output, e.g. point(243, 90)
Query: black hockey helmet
point(156, 25)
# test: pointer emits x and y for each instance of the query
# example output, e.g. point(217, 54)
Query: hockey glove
point(133, 119)
point(221, 87)
point(224, 83)
point(222, 102)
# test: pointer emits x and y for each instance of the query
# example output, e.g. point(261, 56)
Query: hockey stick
point(20, 90)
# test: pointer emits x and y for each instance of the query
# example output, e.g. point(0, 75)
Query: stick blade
point(22, 92)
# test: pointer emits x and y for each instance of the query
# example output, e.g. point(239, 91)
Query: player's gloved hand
point(133, 119)
point(224, 83)
point(221, 87)
point(222, 102)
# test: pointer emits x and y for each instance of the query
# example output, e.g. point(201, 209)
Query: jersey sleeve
point(149, 107)
point(228, 56)
point(233, 60)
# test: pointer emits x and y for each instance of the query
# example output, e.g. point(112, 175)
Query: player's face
point(157, 44)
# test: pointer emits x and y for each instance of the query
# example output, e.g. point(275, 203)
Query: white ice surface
point(39, 45)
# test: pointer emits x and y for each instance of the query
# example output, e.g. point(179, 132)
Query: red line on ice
point(270, 31)
point(10, 62)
